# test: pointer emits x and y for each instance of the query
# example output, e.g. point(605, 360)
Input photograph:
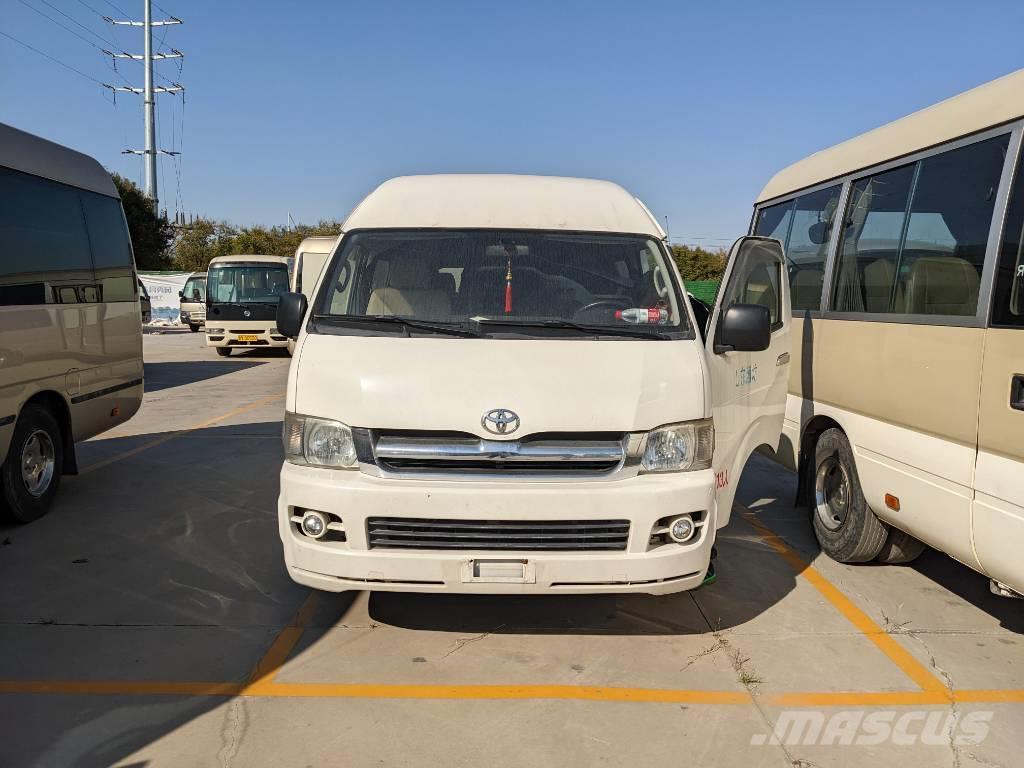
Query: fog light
point(681, 529)
point(314, 524)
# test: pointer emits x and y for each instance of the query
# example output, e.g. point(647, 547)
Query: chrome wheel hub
point(38, 461)
point(832, 494)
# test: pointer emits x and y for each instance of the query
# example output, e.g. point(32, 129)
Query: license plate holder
point(485, 570)
point(248, 337)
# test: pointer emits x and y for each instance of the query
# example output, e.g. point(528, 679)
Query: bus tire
point(193, 328)
point(844, 524)
point(224, 351)
point(900, 548)
point(30, 476)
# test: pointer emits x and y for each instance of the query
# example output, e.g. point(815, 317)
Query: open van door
point(749, 376)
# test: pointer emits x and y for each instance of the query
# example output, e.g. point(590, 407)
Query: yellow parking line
point(506, 692)
point(179, 433)
point(899, 655)
point(266, 669)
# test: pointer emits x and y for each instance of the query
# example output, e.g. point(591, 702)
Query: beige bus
point(70, 330)
point(905, 416)
point(241, 301)
point(310, 257)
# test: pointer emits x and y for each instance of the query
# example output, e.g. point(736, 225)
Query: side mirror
point(181, 294)
point(744, 328)
point(291, 310)
point(818, 233)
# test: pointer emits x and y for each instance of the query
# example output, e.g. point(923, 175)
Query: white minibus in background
point(192, 301)
point(241, 301)
point(905, 416)
point(499, 387)
point(70, 331)
point(310, 257)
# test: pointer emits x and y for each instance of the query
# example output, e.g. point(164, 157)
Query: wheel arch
point(55, 403)
point(812, 430)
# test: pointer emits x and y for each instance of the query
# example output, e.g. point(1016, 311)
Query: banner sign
point(163, 288)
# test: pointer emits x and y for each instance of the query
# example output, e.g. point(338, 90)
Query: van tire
point(844, 524)
point(900, 548)
point(193, 328)
point(224, 351)
point(17, 503)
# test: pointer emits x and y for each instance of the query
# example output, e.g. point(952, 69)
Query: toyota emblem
point(247, 313)
point(500, 421)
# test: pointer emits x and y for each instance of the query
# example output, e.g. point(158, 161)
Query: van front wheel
point(224, 351)
point(31, 473)
point(844, 524)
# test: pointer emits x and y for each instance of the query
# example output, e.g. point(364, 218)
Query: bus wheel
point(900, 548)
point(847, 529)
point(35, 460)
point(193, 328)
point(223, 351)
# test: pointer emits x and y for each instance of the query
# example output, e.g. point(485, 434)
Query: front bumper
point(234, 338)
point(337, 566)
point(193, 318)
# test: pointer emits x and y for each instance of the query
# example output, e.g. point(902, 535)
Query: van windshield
point(194, 290)
point(253, 283)
point(494, 281)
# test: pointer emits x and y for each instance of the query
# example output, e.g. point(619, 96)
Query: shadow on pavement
point(165, 375)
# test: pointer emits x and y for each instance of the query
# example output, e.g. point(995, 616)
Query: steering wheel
point(617, 303)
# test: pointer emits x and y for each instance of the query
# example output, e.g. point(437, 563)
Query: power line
point(51, 58)
point(123, 13)
point(73, 21)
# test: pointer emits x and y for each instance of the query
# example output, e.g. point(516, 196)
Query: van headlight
point(318, 442)
point(680, 447)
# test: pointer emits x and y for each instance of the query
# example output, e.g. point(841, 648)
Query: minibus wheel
point(32, 470)
point(193, 328)
point(224, 351)
point(844, 524)
point(900, 548)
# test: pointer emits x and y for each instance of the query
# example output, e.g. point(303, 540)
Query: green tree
point(151, 234)
point(205, 239)
point(200, 241)
point(698, 263)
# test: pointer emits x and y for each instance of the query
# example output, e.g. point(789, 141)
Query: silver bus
point(70, 330)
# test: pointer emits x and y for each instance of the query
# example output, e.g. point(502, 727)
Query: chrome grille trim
point(512, 451)
point(503, 535)
point(467, 457)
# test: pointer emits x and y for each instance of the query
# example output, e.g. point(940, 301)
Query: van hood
point(563, 385)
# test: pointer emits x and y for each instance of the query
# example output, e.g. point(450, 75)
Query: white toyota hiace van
point(500, 386)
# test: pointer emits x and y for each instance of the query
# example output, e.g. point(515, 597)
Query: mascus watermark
point(861, 728)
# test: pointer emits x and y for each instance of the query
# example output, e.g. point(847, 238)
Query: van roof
point(978, 109)
point(32, 154)
point(502, 201)
point(250, 257)
point(317, 244)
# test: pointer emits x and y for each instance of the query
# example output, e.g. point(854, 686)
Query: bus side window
point(804, 226)
point(1008, 296)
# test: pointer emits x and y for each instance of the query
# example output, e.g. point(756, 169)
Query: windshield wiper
point(406, 323)
point(598, 330)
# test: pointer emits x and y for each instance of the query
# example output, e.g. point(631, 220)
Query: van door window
point(915, 236)
point(1008, 296)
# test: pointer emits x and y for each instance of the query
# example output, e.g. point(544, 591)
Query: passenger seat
point(405, 295)
point(942, 285)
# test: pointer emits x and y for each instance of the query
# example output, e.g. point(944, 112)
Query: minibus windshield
point(252, 283)
point(494, 282)
point(194, 290)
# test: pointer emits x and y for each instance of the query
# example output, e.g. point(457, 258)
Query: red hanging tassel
point(508, 288)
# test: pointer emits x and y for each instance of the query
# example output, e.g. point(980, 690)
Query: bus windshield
point(249, 283)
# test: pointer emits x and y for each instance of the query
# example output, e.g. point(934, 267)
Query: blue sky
point(306, 106)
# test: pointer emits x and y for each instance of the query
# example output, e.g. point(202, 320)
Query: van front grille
point(505, 535)
point(592, 454)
